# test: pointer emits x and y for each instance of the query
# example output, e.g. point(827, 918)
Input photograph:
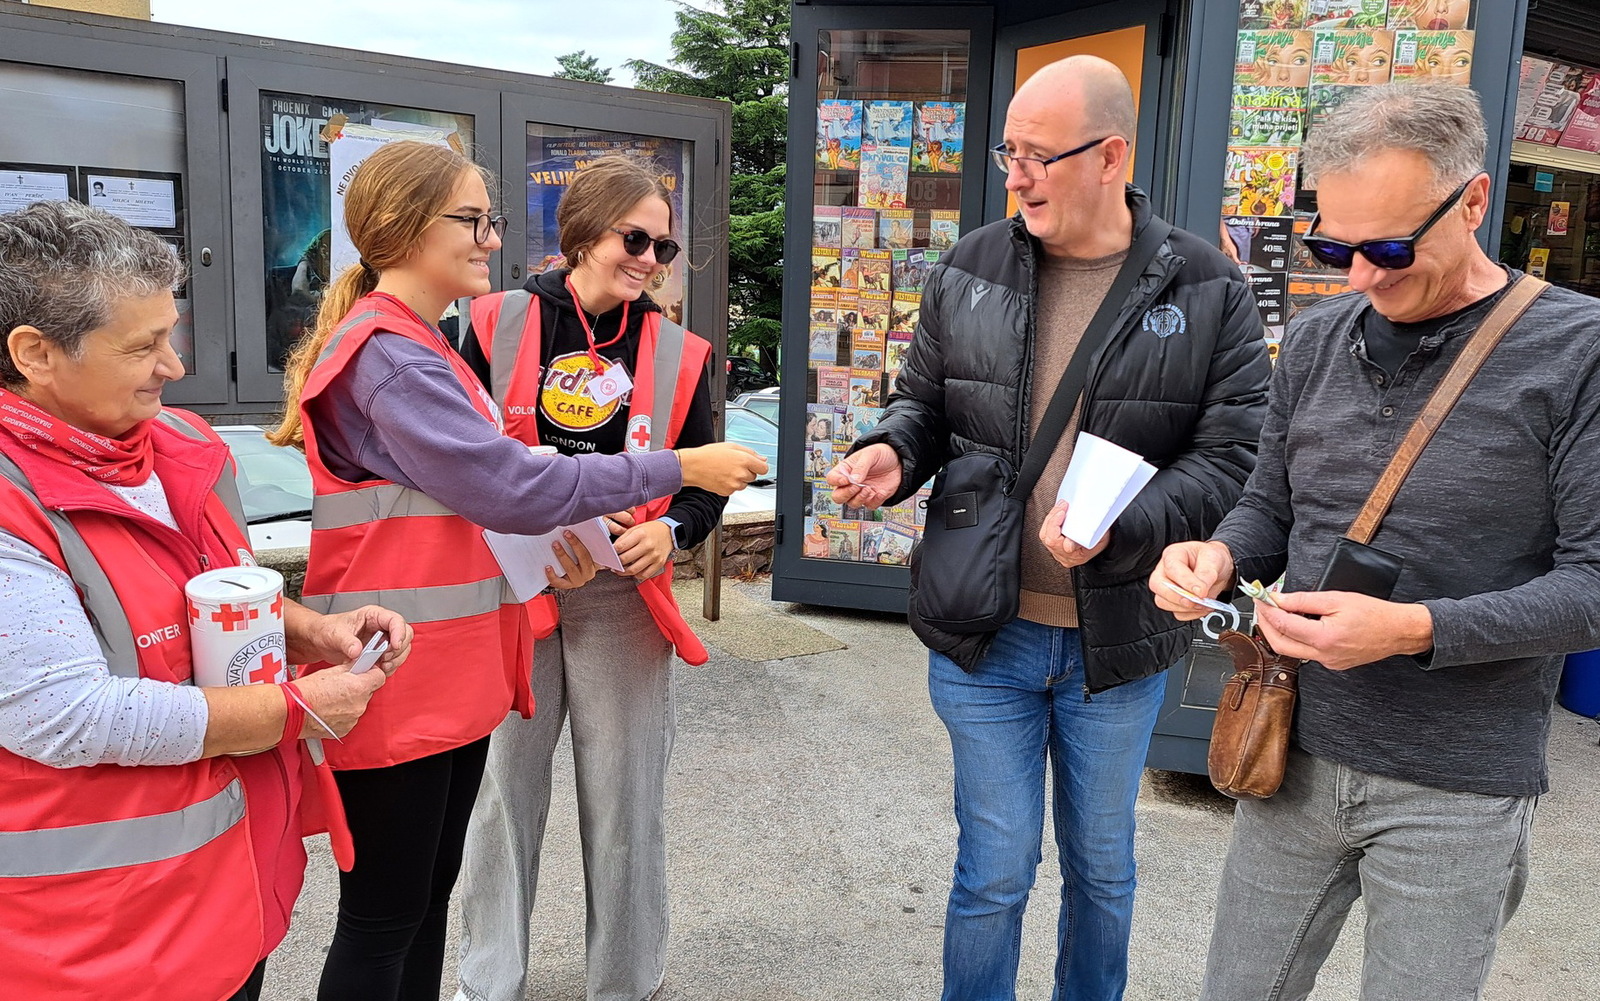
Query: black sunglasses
point(1033, 167)
point(1395, 254)
point(634, 241)
point(481, 225)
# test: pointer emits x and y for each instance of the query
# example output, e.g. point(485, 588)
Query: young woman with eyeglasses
point(409, 466)
point(607, 658)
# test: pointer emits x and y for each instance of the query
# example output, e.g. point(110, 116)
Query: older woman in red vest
point(583, 360)
point(145, 854)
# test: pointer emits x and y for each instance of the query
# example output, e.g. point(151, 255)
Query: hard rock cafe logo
point(564, 396)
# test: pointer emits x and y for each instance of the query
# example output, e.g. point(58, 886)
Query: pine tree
point(580, 65)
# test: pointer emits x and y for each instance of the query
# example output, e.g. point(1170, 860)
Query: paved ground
point(811, 845)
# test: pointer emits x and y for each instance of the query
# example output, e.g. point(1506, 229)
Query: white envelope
point(523, 558)
point(1102, 480)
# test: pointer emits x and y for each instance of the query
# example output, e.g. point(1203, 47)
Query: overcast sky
point(521, 35)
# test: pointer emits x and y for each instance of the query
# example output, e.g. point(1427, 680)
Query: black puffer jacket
point(1182, 381)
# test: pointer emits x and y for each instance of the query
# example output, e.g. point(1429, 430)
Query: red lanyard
point(594, 356)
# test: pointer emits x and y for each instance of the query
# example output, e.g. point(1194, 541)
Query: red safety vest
point(669, 366)
point(377, 542)
point(145, 883)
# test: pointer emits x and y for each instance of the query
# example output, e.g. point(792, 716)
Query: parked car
point(750, 429)
point(762, 401)
point(275, 487)
point(744, 375)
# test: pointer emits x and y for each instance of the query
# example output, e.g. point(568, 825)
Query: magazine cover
point(1433, 57)
point(824, 345)
point(1583, 128)
point(824, 305)
point(848, 312)
point(819, 459)
point(909, 269)
point(884, 175)
point(1553, 108)
point(894, 546)
point(1309, 289)
point(871, 539)
point(825, 226)
point(867, 339)
point(862, 420)
point(859, 228)
point(1262, 242)
point(850, 268)
point(1273, 59)
point(904, 311)
point(1259, 180)
point(874, 310)
point(875, 267)
point(1323, 98)
point(820, 421)
point(895, 228)
point(839, 135)
point(1431, 15)
point(1272, 15)
point(1361, 57)
point(1300, 259)
point(844, 539)
point(886, 123)
point(894, 352)
point(1348, 14)
point(1271, 290)
point(866, 388)
point(1267, 116)
point(833, 385)
point(814, 545)
point(936, 146)
point(819, 501)
point(944, 228)
point(1533, 74)
point(825, 268)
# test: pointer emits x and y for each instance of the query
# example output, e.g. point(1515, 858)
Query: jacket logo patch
point(978, 292)
point(1165, 320)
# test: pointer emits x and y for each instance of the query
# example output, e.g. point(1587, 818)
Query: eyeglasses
point(1395, 254)
point(481, 225)
point(1033, 168)
point(634, 241)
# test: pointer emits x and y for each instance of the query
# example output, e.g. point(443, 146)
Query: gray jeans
point(1440, 874)
point(609, 668)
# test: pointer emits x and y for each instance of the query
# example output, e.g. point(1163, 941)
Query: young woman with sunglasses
point(607, 659)
point(409, 465)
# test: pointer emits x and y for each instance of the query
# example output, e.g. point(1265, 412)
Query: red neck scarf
point(123, 462)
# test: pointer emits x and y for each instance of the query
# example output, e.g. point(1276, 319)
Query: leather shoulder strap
point(1478, 347)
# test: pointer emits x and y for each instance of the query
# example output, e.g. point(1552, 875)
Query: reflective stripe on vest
point(507, 341)
point(422, 604)
point(386, 500)
point(227, 488)
point(669, 358)
point(113, 844)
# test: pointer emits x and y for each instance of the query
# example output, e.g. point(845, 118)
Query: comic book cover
point(821, 421)
point(814, 545)
point(1553, 108)
point(909, 269)
point(936, 145)
point(858, 228)
point(862, 420)
point(824, 305)
point(866, 388)
point(1422, 56)
point(819, 501)
point(894, 352)
point(886, 123)
point(1431, 15)
point(1347, 14)
point(874, 267)
point(824, 345)
point(884, 175)
point(1357, 57)
point(1267, 116)
point(1271, 290)
point(819, 458)
point(1583, 128)
point(905, 310)
point(1309, 289)
point(920, 500)
point(1262, 242)
point(826, 272)
point(1272, 15)
point(839, 135)
point(1273, 59)
point(867, 360)
point(894, 546)
point(833, 385)
point(944, 228)
point(895, 228)
point(874, 310)
point(826, 226)
point(848, 312)
point(871, 539)
point(867, 339)
point(1259, 180)
point(844, 539)
point(850, 268)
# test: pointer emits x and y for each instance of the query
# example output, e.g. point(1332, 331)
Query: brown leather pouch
point(1250, 737)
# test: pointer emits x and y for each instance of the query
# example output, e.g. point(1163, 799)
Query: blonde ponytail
point(353, 283)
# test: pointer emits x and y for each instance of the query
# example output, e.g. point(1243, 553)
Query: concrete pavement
point(811, 845)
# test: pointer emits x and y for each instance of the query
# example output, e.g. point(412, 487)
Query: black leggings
point(252, 987)
point(408, 822)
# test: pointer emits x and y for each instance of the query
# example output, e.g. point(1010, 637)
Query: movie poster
point(554, 160)
point(296, 202)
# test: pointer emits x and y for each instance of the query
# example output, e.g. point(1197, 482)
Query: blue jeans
point(1027, 700)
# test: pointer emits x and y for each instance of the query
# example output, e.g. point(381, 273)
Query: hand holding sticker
point(1222, 612)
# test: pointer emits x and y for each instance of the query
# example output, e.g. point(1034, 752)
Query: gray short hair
point(1442, 122)
point(65, 266)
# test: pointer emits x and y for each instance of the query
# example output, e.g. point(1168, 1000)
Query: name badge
point(609, 385)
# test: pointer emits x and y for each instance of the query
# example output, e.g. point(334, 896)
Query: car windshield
point(766, 406)
point(757, 433)
point(274, 482)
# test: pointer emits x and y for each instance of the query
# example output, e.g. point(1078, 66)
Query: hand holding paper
point(523, 558)
point(1101, 481)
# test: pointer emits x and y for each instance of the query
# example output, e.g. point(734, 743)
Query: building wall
point(115, 8)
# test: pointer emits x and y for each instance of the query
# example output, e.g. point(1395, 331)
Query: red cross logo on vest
point(266, 670)
point(639, 433)
point(235, 617)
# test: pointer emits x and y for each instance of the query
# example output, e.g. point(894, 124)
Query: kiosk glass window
point(890, 146)
point(111, 141)
point(555, 154)
point(303, 248)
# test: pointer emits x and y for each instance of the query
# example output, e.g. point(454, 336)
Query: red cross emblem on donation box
point(277, 606)
point(265, 670)
point(194, 613)
point(640, 436)
point(235, 617)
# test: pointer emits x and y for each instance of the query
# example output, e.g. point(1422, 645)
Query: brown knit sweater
point(1070, 290)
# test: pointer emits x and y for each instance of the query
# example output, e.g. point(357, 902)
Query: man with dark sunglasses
point(1419, 738)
